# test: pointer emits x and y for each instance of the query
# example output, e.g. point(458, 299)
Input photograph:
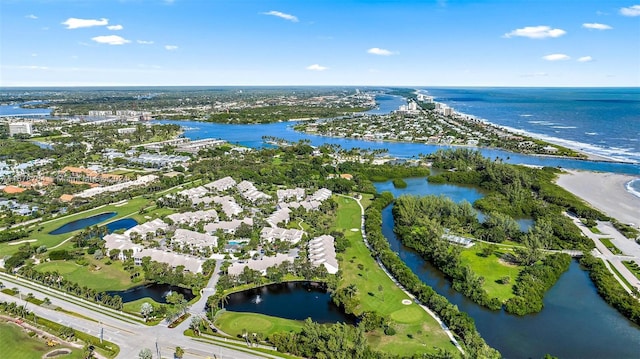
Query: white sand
point(606, 192)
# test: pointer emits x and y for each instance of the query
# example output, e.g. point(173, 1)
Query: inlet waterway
point(251, 136)
point(574, 323)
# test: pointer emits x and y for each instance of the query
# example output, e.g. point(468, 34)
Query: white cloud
point(631, 10)
point(585, 59)
point(110, 39)
point(281, 15)
point(75, 23)
point(535, 74)
point(31, 16)
point(33, 67)
point(380, 52)
point(536, 32)
point(115, 27)
point(144, 42)
point(596, 26)
point(170, 47)
point(316, 67)
point(556, 57)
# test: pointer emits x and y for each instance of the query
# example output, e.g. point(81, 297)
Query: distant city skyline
point(306, 43)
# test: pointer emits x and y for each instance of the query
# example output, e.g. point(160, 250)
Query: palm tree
point(195, 324)
point(179, 353)
point(351, 290)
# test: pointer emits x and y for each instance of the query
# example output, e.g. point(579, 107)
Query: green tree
point(145, 309)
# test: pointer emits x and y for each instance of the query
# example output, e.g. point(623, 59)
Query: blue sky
point(305, 42)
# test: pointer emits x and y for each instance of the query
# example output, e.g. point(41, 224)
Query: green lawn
point(233, 323)
point(633, 267)
point(417, 332)
point(97, 275)
point(491, 269)
point(16, 344)
point(40, 231)
point(607, 243)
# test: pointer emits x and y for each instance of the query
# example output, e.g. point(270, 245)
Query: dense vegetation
point(422, 222)
point(459, 322)
point(610, 290)
point(280, 113)
point(519, 192)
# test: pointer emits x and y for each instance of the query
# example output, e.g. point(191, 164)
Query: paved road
point(630, 249)
point(115, 326)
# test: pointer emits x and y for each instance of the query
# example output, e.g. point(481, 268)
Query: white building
point(185, 237)
point(222, 184)
point(271, 234)
point(16, 128)
point(322, 251)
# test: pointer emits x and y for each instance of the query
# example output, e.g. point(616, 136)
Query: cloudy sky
point(307, 42)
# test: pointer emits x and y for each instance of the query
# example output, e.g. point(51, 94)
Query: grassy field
point(233, 323)
point(417, 332)
point(40, 231)
point(96, 275)
point(492, 269)
point(16, 344)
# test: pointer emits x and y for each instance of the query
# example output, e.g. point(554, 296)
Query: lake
point(157, 292)
point(82, 223)
point(292, 300)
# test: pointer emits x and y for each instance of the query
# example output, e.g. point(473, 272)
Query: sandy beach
point(604, 191)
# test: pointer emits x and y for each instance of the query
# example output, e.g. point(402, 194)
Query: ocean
point(601, 121)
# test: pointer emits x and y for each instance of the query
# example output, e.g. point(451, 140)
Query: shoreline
point(570, 144)
point(589, 156)
point(604, 191)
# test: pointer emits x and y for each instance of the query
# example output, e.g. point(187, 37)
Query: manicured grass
point(619, 275)
point(97, 275)
point(233, 323)
point(633, 267)
point(492, 270)
point(16, 344)
point(408, 320)
point(607, 243)
point(41, 230)
point(595, 230)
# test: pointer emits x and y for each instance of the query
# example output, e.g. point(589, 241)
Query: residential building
point(20, 128)
point(322, 251)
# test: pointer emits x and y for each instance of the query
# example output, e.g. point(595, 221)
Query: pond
point(157, 292)
point(82, 223)
point(292, 300)
point(575, 322)
point(124, 223)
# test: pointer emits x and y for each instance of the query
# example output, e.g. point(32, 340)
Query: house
point(322, 252)
point(280, 215)
point(148, 227)
point(285, 194)
point(271, 234)
point(13, 189)
point(222, 184)
point(261, 264)
point(194, 239)
point(227, 226)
